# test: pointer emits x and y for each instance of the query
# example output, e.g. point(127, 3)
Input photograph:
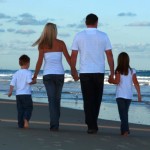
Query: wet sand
point(72, 134)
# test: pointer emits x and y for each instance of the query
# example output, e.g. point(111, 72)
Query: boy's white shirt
point(21, 81)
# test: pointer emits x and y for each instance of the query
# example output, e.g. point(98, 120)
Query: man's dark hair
point(23, 60)
point(91, 19)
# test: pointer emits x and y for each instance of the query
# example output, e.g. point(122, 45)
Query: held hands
point(33, 80)
point(75, 75)
point(110, 79)
point(9, 94)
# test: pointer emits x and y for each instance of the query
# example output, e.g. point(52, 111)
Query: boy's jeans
point(54, 84)
point(24, 108)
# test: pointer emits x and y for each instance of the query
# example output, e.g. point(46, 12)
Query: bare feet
point(125, 134)
point(26, 124)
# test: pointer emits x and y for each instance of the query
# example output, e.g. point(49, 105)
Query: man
point(92, 45)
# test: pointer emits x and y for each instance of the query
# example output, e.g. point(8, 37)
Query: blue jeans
point(92, 91)
point(24, 108)
point(123, 108)
point(54, 84)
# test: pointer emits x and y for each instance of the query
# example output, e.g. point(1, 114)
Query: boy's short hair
point(91, 19)
point(23, 60)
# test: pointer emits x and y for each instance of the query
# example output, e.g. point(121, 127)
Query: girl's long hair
point(48, 35)
point(123, 65)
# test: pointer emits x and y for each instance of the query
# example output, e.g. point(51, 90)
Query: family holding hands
point(92, 45)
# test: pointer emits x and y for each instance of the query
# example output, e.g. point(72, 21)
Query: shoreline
point(138, 114)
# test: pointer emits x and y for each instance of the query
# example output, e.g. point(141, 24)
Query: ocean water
point(72, 96)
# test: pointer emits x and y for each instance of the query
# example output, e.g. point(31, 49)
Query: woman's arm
point(39, 63)
point(137, 86)
point(66, 54)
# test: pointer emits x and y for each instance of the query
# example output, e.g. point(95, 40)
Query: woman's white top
point(125, 87)
point(21, 80)
point(53, 63)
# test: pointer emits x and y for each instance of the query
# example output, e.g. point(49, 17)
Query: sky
point(126, 22)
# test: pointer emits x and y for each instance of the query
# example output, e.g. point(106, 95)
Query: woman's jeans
point(24, 108)
point(123, 108)
point(54, 84)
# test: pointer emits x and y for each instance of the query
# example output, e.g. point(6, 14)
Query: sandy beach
point(72, 134)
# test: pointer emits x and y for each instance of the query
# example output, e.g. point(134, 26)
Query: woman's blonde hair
point(48, 35)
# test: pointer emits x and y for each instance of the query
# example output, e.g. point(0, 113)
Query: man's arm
point(110, 60)
point(74, 72)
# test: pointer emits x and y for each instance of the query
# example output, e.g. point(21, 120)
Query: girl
point(125, 76)
point(51, 50)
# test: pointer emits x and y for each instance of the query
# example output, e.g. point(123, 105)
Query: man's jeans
point(123, 108)
point(24, 108)
point(54, 84)
point(92, 91)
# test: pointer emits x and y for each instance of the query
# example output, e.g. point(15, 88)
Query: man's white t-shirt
point(21, 80)
point(91, 44)
point(125, 87)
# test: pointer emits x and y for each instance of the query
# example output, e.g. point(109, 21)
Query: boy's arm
point(137, 86)
point(10, 90)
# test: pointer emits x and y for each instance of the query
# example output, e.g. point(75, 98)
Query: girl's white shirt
point(125, 87)
point(53, 63)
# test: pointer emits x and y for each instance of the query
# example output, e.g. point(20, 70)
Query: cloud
point(71, 25)
point(15, 45)
point(77, 26)
point(129, 14)
point(1, 1)
point(26, 32)
point(64, 35)
point(11, 30)
point(132, 48)
point(2, 30)
point(28, 19)
point(139, 24)
point(3, 16)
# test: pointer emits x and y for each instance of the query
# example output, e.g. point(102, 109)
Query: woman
point(51, 50)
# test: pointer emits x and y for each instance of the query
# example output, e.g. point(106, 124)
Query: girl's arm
point(38, 64)
point(137, 86)
point(115, 80)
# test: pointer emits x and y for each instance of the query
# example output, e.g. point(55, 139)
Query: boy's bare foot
point(26, 124)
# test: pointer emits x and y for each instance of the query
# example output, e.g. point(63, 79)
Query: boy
point(22, 80)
